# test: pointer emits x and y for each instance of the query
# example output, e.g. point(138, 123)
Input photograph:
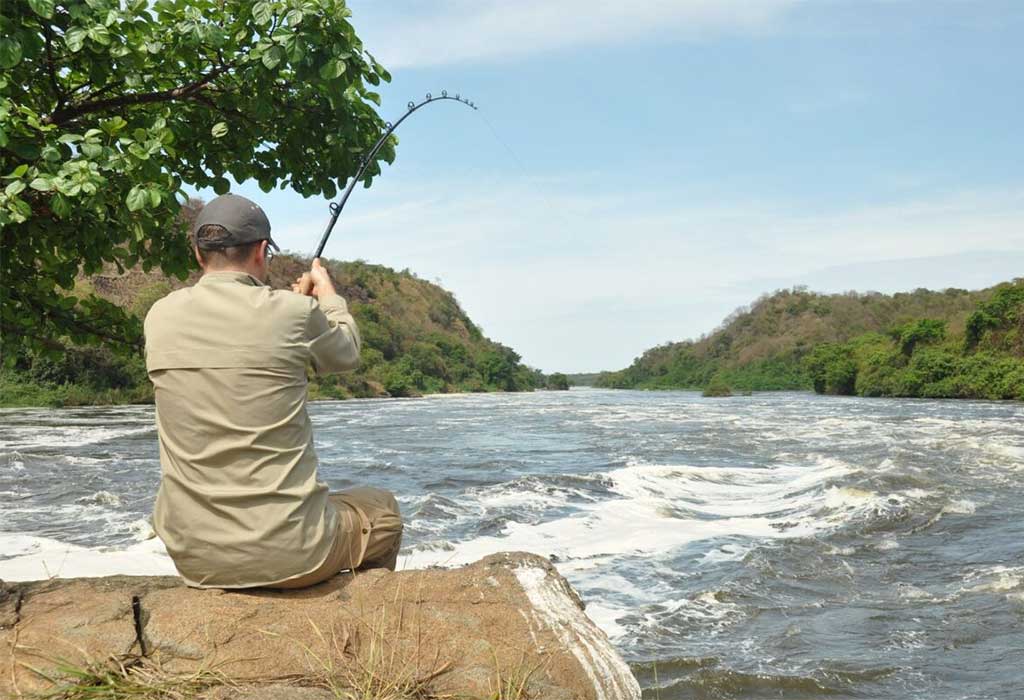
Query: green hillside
point(951, 343)
point(926, 358)
point(416, 340)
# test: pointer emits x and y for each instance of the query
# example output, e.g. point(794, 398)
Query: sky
point(636, 171)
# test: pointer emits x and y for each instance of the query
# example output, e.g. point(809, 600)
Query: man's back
point(239, 503)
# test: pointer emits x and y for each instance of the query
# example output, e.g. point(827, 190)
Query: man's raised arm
point(331, 331)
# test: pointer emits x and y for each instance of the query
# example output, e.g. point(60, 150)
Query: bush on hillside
point(717, 388)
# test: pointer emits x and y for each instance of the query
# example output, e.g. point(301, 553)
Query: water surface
point(779, 545)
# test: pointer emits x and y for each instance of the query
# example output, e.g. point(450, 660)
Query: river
point(776, 545)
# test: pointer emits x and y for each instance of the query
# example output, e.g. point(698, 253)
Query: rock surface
point(507, 621)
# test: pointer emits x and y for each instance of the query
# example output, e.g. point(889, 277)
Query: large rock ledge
point(508, 626)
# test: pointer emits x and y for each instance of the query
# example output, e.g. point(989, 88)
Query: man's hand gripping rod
point(368, 158)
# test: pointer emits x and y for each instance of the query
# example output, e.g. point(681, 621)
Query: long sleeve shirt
point(239, 503)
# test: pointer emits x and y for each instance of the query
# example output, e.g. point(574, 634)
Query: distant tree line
point(952, 343)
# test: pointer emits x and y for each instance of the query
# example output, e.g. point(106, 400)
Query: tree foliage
point(919, 359)
point(557, 382)
point(763, 347)
point(832, 369)
point(108, 109)
point(925, 330)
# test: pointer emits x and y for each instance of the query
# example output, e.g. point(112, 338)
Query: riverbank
point(21, 394)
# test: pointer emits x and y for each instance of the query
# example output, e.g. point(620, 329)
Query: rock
point(507, 621)
point(10, 602)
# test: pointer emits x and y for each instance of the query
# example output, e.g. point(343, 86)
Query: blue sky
point(638, 170)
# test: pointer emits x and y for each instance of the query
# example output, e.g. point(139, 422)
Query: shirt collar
point(228, 276)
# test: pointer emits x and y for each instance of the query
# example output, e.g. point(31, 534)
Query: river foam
point(654, 509)
point(39, 558)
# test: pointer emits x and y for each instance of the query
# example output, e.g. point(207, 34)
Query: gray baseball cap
point(242, 218)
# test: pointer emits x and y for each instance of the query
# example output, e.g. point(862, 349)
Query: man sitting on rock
point(239, 504)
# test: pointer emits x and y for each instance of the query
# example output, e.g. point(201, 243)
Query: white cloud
point(458, 31)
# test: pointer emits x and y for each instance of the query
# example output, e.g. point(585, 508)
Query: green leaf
point(154, 197)
point(100, 34)
point(75, 39)
point(60, 205)
point(51, 153)
point(138, 151)
point(273, 57)
point(294, 17)
point(137, 198)
point(219, 129)
point(70, 138)
point(14, 188)
point(294, 49)
point(43, 8)
point(22, 208)
point(113, 125)
point(43, 184)
point(221, 185)
point(25, 150)
point(19, 171)
point(332, 69)
point(10, 52)
point(3, 138)
point(262, 13)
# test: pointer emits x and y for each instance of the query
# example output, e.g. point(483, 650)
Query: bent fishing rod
point(368, 158)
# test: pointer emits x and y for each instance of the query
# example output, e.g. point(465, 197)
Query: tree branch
point(51, 68)
point(72, 112)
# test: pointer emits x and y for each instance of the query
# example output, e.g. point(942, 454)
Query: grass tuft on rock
point(134, 678)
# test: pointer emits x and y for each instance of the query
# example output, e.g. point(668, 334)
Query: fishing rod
point(368, 158)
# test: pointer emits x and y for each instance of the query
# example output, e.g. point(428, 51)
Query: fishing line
point(546, 200)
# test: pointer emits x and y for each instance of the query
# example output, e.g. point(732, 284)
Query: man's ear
point(199, 257)
point(261, 252)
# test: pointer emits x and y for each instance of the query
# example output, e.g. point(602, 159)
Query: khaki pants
point(369, 535)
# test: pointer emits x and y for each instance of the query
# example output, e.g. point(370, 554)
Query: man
point(239, 504)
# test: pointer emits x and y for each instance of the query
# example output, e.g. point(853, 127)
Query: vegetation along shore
point(937, 344)
point(418, 340)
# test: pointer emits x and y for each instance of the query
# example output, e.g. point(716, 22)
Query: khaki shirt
point(239, 502)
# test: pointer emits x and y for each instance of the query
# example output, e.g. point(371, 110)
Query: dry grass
point(380, 673)
point(131, 678)
point(513, 684)
point(381, 670)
